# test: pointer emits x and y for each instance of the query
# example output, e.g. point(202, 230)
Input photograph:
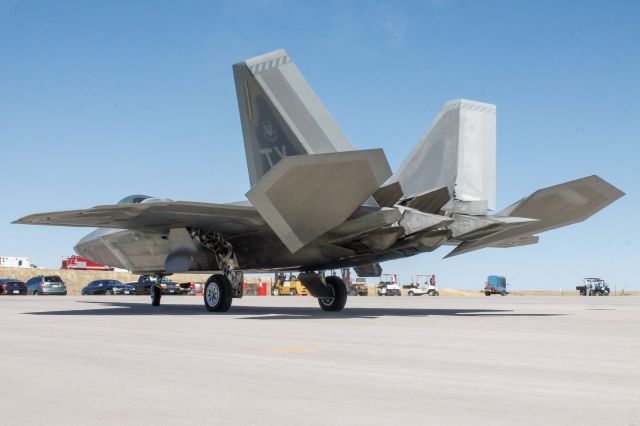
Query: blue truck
point(495, 284)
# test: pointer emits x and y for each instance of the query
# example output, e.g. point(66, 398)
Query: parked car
point(191, 288)
point(143, 285)
point(169, 287)
point(11, 286)
point(107, 287)
point(46, 285)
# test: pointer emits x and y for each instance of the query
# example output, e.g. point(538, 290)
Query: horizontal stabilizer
point(553, 207)
point(302, 197)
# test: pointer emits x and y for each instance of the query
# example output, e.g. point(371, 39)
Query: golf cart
point(422, 284)
point(594, 287)
point(388, 285)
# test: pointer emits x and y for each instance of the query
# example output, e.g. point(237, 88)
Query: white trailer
point(14, 262)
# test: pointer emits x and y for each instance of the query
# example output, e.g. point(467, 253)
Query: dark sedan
point(144, 283)
point(107, 287)
point(10, 286)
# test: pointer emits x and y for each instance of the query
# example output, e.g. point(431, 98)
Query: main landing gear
point(331, 291)
point(338, 298)
point(218, 293)
point(220, 290)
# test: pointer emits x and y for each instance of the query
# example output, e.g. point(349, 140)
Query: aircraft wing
point(551, 208)
point(229, 219)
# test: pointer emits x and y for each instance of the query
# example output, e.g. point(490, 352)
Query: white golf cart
point(388, 285)
point(420, 284)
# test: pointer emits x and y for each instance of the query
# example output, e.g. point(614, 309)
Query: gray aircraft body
point(318, 204)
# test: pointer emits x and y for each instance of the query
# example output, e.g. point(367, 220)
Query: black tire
point(293, 292)
point(339, 290)
point(487, 294)
point(411, 293)
point(275, 291)
point(218, 293)
point(109, 292)
point(156, 295)
point(35, 293)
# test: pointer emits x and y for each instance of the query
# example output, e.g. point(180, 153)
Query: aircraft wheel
point(218, 293)
point(156, 294)
point(339, 291)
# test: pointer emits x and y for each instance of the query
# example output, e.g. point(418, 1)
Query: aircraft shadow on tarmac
point(279, 312)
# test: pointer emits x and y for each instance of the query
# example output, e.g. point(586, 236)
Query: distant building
point(80, 263)
point(15, 262)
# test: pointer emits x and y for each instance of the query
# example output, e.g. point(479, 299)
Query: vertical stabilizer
point(280, 114)
point(458, 151)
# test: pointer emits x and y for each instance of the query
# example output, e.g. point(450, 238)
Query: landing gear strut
point(220, 289)
point(156, 291)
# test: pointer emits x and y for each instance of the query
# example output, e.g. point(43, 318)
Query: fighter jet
point(317, 204)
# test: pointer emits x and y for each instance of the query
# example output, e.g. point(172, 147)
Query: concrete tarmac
point(105, 360)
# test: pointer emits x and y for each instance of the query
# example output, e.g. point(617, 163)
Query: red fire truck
point(80, 263)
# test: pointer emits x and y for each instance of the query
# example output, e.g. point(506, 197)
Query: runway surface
point(448, 360)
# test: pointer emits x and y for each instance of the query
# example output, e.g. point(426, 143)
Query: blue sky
point(99, 100)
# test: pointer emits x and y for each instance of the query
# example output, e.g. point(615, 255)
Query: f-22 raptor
point(317, 204)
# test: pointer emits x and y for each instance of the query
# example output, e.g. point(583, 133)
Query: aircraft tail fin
point(458, 151)
point(280, 114)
